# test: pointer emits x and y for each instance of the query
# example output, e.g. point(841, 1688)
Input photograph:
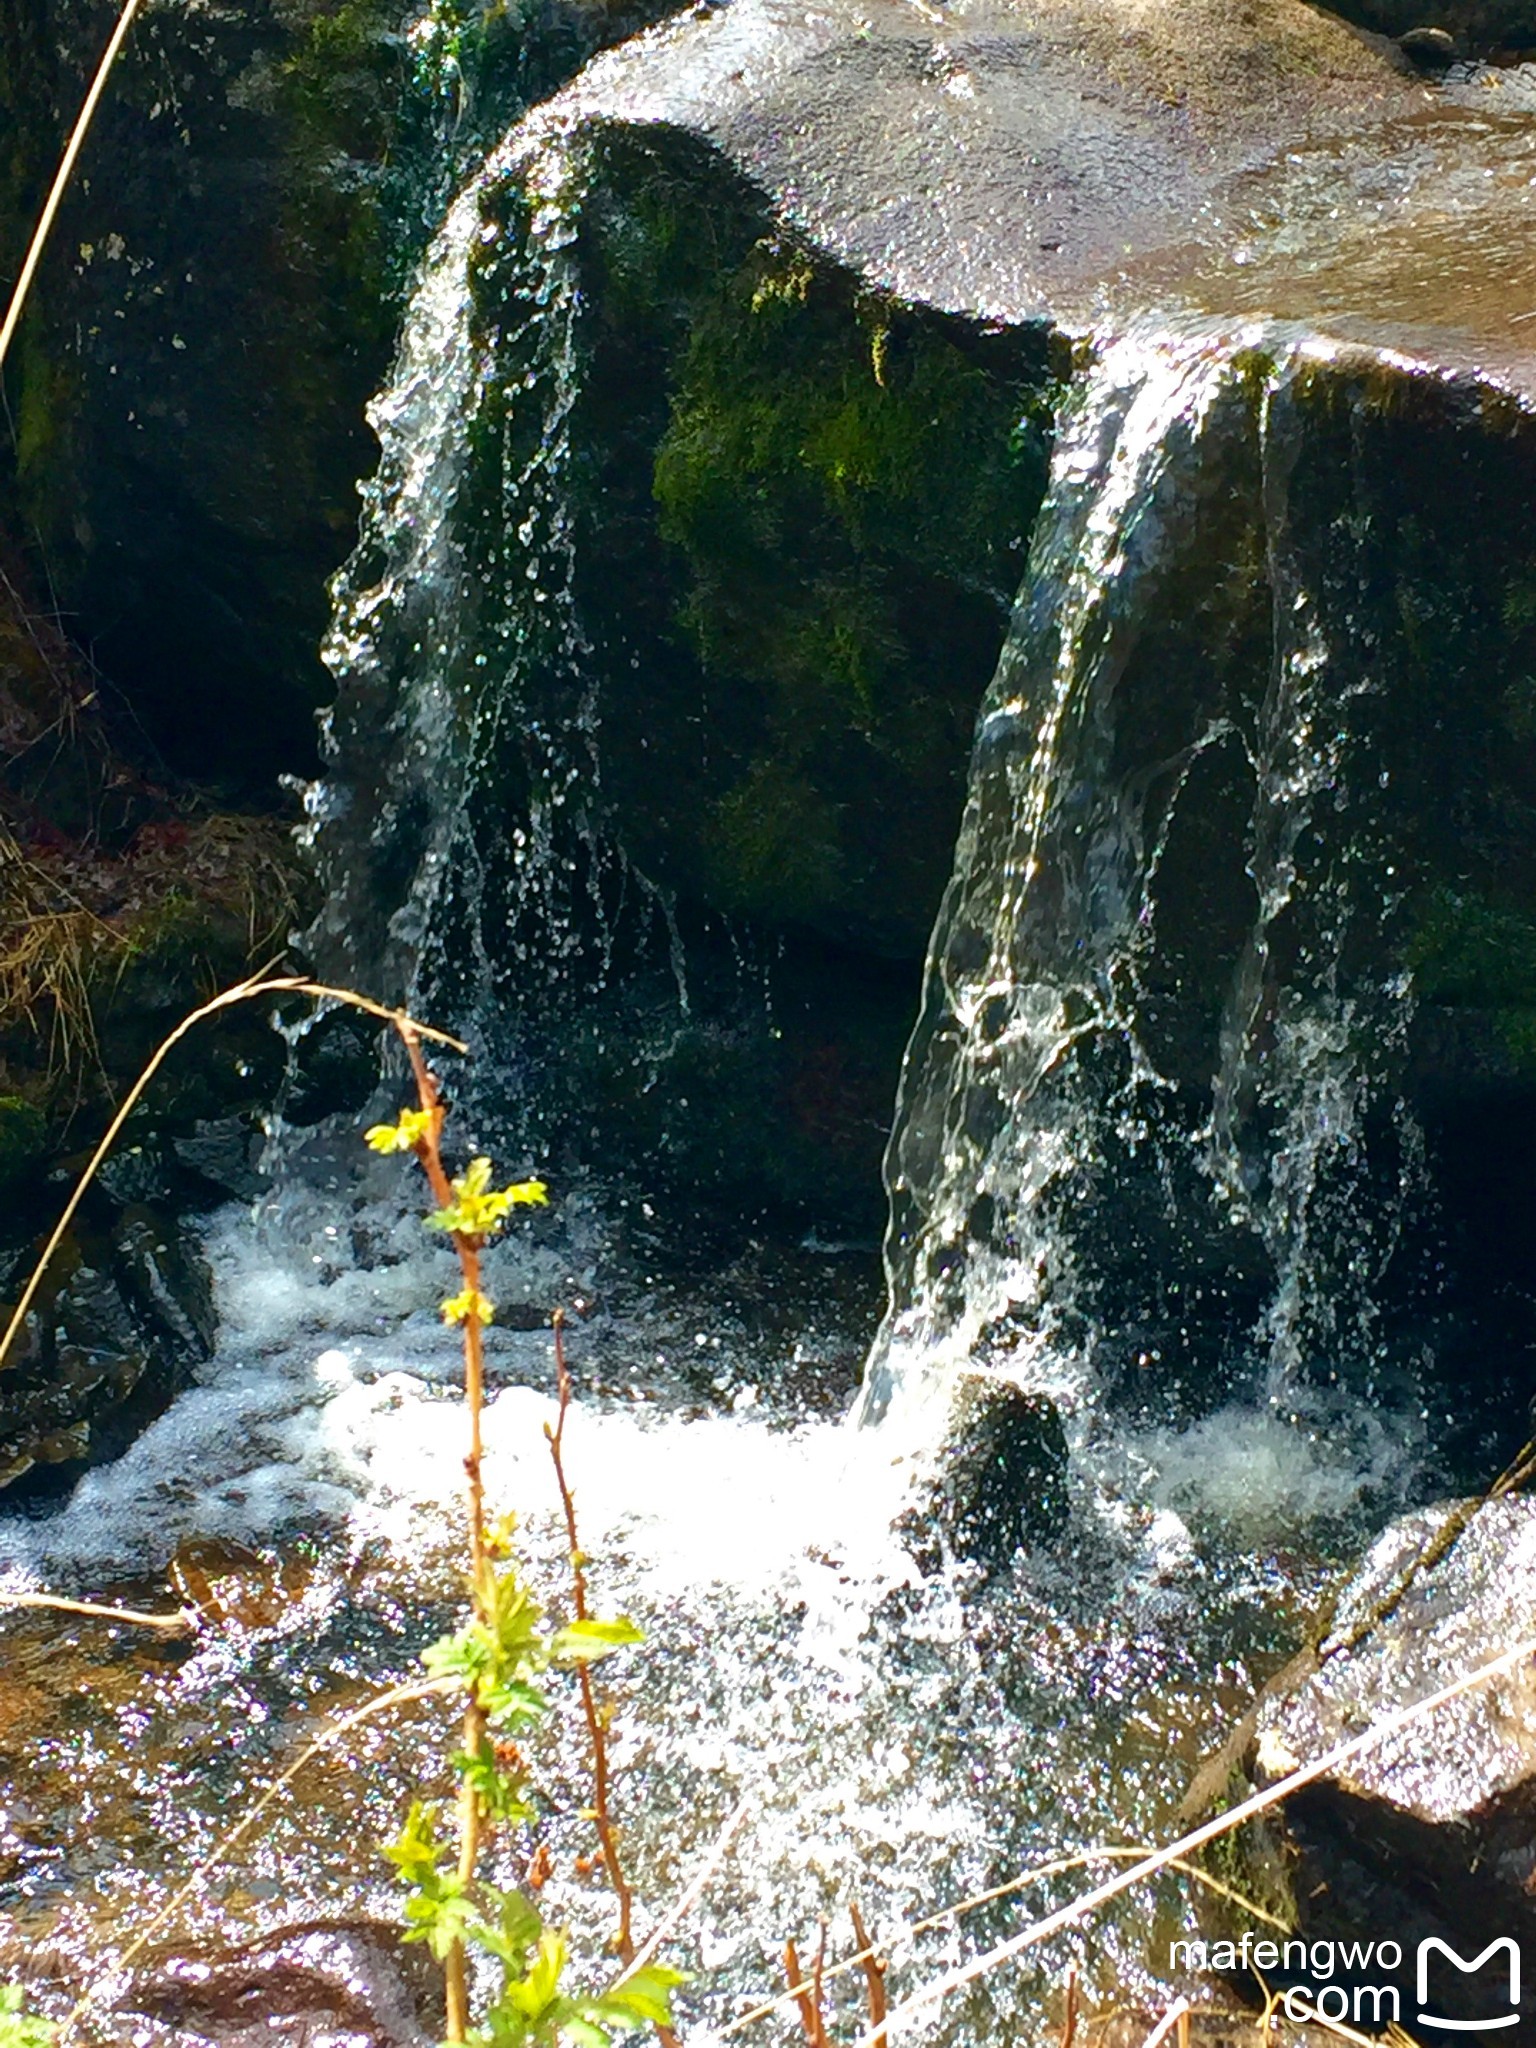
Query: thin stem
point(1069, 2024)
point(807, 1997)
point(60, 184)
point(471, 1812)
point(596, 1729)
point(180, 1623)
point(874, 1978)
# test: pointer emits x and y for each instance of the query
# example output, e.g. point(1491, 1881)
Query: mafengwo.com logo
point(1373, 1984)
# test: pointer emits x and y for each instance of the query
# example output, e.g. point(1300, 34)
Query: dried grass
point(212, 892)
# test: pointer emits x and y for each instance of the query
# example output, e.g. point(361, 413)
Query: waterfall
point(457, 835)
point(1150, 1146)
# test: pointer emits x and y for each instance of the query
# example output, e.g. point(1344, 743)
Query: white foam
point(332, 1399)
point(1263, 1474)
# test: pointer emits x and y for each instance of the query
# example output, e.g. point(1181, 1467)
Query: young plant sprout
point(499, 1659)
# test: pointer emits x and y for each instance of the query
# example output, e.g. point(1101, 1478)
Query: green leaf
point(18, 2027)
point(644, 1999)
point(585, 1641)
point(418, 1849)
point(442, 1920)
point(518, 1927)
point(575, 2026)
point(505, 1795)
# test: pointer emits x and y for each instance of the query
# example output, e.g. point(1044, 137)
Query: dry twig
point(184, 1620)
point(1069, 2024)
point(597, 1731)
point(1261, 1802)
point(1165, 2026)
point(874, 1967)
point(262, 983)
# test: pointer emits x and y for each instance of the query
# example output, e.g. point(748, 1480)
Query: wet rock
point(1000, 1478)
point(1430, 48)
point(345, 1985)
point(1432, 1833)
point(225, 1152)
point(165, 1280)
point(1480, 24)
point(1071, 160)
point(122, 1317)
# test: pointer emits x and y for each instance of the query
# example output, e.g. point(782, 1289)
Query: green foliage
point(497, 1656)
point(19, 2028)
point(532, 2007)
point(1469, 952)
point(583, 1642)
point(478, 1208)
point(497, 1660)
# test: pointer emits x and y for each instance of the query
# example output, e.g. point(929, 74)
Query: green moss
point(23, 1141)
point(843, 488)
point(822, 449)
point(1468, 952)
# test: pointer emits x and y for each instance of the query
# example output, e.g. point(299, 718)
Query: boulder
point(1431, 1835)
point(997, 1481)
point(1084, 161)
point(349, 1981)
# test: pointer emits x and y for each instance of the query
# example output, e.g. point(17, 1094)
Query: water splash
point(437, 640)
point(1151, 1146)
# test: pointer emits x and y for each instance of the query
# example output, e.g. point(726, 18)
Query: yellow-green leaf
point(469, 1306)
point(413, 1127)
point(585, 1641)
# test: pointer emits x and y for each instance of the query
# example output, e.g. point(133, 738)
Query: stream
point(1174, 1167)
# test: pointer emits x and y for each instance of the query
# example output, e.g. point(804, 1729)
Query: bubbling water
point(882, 1737)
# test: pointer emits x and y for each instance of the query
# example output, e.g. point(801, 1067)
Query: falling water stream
point(1173, 1222)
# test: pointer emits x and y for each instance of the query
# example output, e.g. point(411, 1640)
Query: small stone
point(1000, 1478)
point(1430, 48)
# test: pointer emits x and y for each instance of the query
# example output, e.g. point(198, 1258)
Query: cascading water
point(462, 849)
point(1153, 1144)
point(440, 643)
point(896, 1740)
point(1153, 1161)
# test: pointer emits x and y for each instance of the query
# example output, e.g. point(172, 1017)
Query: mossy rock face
point(814, 509)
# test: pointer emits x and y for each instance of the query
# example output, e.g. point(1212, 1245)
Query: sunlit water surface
point(890, 1740)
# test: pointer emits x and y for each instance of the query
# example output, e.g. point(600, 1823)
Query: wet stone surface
point(1430, 1833)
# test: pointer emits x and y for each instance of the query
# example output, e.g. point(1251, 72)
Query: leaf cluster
point(477, 1208)
point(19, 2028)
point(498, 1657)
